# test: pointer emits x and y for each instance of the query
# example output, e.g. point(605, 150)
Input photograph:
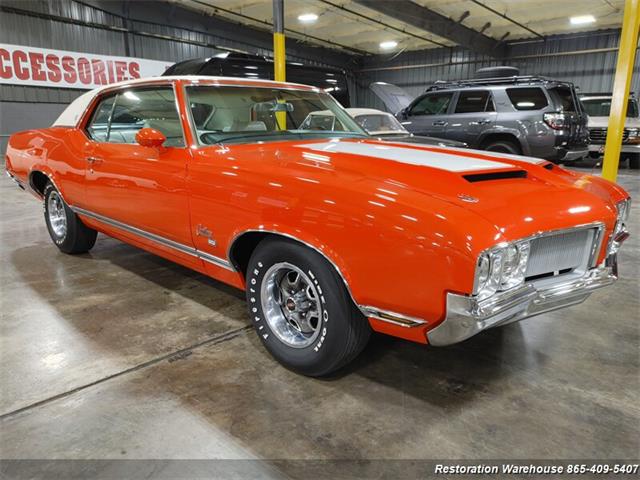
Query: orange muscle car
point(331, 233)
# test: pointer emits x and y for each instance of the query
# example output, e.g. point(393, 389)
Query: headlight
point(620, 233)
point(501, 268)
point(633, 135)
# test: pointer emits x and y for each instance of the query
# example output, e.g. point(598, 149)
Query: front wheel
point(65, 228)
point(301, 309)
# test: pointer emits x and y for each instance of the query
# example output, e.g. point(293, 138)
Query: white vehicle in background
point(377, 124)
point(598, 107)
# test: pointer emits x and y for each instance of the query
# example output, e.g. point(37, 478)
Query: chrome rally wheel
point(57, 215)
point(291, 305)
point(301, 308)
point(65, 228)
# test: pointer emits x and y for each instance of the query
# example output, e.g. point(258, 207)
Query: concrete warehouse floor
point(119, 354)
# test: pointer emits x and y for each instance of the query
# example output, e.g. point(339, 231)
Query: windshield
point(601, 107)
point(249, 114)
point(380, 123)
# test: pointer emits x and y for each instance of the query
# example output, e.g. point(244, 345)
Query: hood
point(518, 195)
point(603, 122)
point(393, 97)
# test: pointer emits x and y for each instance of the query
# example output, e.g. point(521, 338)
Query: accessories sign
point(42, 67)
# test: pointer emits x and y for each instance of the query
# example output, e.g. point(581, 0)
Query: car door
point(474, 112)
point(138, 187)
point(428, 114)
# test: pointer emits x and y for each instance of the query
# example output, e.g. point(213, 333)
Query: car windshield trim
point(286, 135)
point(263, 114)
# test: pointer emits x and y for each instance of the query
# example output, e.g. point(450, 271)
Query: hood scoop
point(483, 177)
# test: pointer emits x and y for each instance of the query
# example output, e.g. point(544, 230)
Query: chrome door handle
point(440, 123)
point(94, 160)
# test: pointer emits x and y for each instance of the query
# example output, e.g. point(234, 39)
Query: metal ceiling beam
point(502, 15)
point(267, 24)
point(383, 24)
point(425, 19)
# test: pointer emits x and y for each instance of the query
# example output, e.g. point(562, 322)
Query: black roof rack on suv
point(527, 80)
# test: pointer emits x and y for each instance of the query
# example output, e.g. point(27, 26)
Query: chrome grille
point(599, 135)
point(560, 252)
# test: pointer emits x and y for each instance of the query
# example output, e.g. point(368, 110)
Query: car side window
point(474, 101)
point(527, 98)
point(134, 109)
point(432, 104)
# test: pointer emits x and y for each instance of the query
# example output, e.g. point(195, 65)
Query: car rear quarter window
point(98, 126)
point(527, 98)
point(564, 97)
point(474, 101)
point(432, 104)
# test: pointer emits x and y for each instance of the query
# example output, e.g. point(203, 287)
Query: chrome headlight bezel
point(620, 231)
point(501, 268)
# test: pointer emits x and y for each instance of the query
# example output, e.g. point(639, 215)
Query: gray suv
point(531, 116)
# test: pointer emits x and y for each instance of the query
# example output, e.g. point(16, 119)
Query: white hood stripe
point(442, 161)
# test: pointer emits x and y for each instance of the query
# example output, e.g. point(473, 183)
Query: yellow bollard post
point(279, 55)
point(621, 87)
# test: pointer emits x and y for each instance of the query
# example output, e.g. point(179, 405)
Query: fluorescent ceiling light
point(582, 19)
point(388, 45)
point(308, 17)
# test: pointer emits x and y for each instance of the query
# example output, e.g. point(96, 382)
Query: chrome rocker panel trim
point(467, 317)
point(157, 239)
point(391, 317)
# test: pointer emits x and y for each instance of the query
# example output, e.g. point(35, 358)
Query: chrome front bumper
point(466, 316)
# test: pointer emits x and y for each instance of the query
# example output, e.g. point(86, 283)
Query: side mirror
point(150, 137)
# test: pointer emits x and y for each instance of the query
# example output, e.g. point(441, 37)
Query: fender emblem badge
point(202, 231)
point(467, 198)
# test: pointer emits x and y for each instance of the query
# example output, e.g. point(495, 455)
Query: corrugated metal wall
point(591, 72)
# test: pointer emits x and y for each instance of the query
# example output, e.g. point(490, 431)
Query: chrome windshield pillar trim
point(466, 316)
point(207, 257)
point(391, 317)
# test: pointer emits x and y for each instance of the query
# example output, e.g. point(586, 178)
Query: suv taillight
point(555, 120)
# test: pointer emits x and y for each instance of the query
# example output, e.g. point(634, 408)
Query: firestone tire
point(66, 230)
point(301, 309)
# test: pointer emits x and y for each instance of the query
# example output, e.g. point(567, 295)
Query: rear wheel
point(65, 228)
point(502, 146)
point(301, 309)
